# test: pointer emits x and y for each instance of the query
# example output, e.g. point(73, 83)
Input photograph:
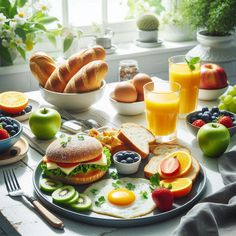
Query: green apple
point(213, 139)
point(45, 123)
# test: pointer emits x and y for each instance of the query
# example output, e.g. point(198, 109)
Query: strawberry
point(199, 123)
point(163, 198)
point(226, 121)
point(3, 134)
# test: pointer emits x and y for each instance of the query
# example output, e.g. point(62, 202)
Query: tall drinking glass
point(162, 108)
point(189, 80)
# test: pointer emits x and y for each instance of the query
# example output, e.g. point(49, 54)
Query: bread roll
point(88, 78)
point(41, 66)
point(63, 73)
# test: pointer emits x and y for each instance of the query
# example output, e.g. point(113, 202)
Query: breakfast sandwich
point(76, 160)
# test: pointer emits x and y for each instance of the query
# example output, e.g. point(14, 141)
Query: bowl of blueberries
point(127, 162)
point(10, 132)
point(197, 119)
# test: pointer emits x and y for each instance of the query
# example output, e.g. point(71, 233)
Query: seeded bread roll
point(73, 151)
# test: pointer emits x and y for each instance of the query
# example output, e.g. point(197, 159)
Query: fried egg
point(123, 198)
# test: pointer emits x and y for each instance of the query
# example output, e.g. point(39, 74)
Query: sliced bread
point(137, 137)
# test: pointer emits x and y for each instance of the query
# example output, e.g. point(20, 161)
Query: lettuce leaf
point(81, 169)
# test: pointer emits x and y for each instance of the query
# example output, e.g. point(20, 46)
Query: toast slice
point(161, 151)
point(136, 137)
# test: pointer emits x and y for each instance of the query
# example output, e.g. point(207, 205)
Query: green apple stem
point(45, 111)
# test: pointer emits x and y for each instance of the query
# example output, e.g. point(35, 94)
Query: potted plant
point(20, 28)
point(215, 22)
point(148, 25)
point(173, 26)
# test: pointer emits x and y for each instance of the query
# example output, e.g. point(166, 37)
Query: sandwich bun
point(75, 150)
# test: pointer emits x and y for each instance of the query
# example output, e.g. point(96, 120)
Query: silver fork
point(14, 190)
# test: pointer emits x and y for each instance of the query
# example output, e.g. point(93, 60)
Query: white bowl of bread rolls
point(77, 83)
point(127, 97)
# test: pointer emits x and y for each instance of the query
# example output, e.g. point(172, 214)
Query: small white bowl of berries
point(127, 162)
point(10, 132)
point(197, 119)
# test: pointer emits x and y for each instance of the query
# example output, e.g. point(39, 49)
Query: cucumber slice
point(63, 194)
point(74, 199)
point(49, 185)
point(83, 203)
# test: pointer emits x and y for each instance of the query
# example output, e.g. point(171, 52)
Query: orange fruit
point(13, 102)
point(180, 186)
point(185, 161)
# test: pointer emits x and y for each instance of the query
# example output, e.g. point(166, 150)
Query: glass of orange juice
point(162, 107)
point(189, 80)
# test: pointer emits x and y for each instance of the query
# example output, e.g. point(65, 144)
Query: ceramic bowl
point(5, 144)
point(128, 109)
point(126, 168)
point(194, 129)
point(211, 94)
point(73, 101)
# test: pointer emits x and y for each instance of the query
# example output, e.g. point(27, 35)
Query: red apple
point(212, 77)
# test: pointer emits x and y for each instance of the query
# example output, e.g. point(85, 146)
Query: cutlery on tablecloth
point(14, 190)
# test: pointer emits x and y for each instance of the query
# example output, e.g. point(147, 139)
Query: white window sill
point(124, 51)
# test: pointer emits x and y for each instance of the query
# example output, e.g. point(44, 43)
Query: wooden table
point(27, 222)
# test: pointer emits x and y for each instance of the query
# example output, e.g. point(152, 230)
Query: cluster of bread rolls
point(82, 72)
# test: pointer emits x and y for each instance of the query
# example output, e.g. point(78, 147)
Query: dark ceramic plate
point(180, 205)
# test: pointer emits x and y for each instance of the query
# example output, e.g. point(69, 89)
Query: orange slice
point(13, 102)
point(185, 161)
point(180, 186)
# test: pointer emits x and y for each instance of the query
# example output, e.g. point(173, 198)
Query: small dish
point(194, 129)
point(127, 168)
point(15, 153)
point(141, 44)
point(128, 109)
point(5, 144)
point(211, 94)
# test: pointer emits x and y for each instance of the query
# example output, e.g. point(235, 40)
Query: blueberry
point(213, 117)
point(199, 115)
point(4, 124)
point(206, 117)
point(123, 161)
point(132, 155)
point(136, 159)
point(28, 108)
point(9, 128)
point(215, 114)
point(13, 152)
point(23, 113)
point(12, 132)
point(2, 119)
point(8, 121)
point(205, 109)
point(192, 119)
point(129, 160)
point(215, 109)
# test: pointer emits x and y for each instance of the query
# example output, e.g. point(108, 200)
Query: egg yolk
point(121, 197)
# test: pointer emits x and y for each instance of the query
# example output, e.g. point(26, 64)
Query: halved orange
point(185, 161)
point(180, 186)
point(13, 102)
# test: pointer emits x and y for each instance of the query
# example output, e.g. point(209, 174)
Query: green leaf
point(144, 194)
point(13, 10)
point(21, 3)
point(21, 33)
point(67, 42)
point(47, 19)
point(192, 62)
point(100, 201)
point(94, 191)
point(114, 175)
point(22, 52)
point(5, 6)
point(130, 186)
point(52, 38)
point(155, 180)
point(5, 55)
point(40, 26)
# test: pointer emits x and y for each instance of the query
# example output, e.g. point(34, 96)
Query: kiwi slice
point(74, 199)
point(49, 185)
point(63, 194)
point(83, 203)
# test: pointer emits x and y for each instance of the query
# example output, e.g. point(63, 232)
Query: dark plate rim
point(119, 222)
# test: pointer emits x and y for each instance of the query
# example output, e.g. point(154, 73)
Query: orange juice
point(161, 112)
point(189, 81)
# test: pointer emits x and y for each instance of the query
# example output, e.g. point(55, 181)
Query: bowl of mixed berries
point(197, 119)
point(10, 132)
